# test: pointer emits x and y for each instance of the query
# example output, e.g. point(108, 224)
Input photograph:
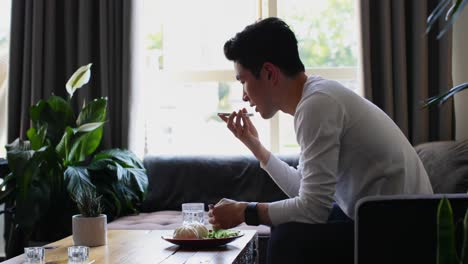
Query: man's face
point(256, 91)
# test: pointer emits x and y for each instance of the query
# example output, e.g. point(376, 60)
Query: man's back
point(375, 158)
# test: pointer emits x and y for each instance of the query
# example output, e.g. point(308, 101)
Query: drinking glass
point(34, 254)
point(192, 212)
point(78, 254)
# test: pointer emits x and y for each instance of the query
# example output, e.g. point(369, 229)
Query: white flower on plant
point(89, 127)
point(78, 79)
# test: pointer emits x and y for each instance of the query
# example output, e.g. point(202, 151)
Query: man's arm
point(319, 124)
point(264, 217)
point(229, 213)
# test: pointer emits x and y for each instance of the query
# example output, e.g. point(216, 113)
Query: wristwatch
point(251, 214)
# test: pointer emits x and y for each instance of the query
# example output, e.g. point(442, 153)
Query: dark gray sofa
point(174, 180)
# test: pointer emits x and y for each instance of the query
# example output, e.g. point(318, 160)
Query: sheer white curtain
point(136, 135)
point(3, 128)
point(3, 101)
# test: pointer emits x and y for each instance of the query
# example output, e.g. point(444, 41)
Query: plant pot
point(89, 231)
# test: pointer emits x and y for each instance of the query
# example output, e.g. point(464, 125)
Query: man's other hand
point(226, 214)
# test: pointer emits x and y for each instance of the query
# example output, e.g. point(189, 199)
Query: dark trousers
point(328, 243)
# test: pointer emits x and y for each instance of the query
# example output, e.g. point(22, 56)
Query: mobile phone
point(228, 114)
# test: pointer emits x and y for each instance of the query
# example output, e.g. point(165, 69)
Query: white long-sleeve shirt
point(349, 149)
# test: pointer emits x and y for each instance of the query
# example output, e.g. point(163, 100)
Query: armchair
point(403, 228)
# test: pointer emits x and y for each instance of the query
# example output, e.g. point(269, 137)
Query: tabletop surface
point(145, 246)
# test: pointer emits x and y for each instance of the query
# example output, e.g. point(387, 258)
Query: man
point(349, 149)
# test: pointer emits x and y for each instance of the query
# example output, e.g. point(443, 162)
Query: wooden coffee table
point(147, 246)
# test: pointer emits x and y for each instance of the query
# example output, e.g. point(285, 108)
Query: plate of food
point(197, 235)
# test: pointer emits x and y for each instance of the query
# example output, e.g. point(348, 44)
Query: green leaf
point(446, 252)
point(79, 78)
point(456, 7)
point(126, 158)
point(18, 145)
point(222, 233)
point(77, 150)
point(464, 251)
point(85, 145)
point(138, 181)
point(112, 205)
point(35, 112)
point(121, 174)
point(127, 198)
point(436, 14)
point(77, 180)
point(19, 164)
point(88, 202)
point(95, 111)
point(56, 114)
point(52, 170)
point(440, 99)
point(32, 188)
point(452, 15)
point(60, 105)
point(102, 165)
point(25, 166)
point(63, 147)
point(37, 137)
point(34, 206)
point(129, 184)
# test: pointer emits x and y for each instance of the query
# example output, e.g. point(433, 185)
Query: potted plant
point(58, 160)
point(90, 226)
point(446, 247)
point(451, 9)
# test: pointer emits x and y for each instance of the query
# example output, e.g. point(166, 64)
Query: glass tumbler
point(34, 254)
point(193, 212)
point(78, 254)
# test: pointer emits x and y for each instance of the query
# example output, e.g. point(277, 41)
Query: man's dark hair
point(268, 40)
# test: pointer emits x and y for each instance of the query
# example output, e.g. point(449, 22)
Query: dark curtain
point(402, 66)
point(50, 39)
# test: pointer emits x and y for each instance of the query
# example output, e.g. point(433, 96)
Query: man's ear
point(271, 70)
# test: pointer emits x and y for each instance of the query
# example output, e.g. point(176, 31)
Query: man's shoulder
point(324, 91)
point(317, 85)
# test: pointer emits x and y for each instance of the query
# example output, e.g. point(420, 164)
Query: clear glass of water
point(34, 254)
point(78, 254)
point(193, 212)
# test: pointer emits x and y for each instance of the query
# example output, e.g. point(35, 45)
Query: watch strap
point(251, 214)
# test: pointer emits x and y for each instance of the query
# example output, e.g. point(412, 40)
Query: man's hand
point(226, 214)
point(243, 128)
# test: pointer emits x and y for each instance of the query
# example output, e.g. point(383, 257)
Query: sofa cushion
point(174, 180)
point(164, 220)
point(446, 163)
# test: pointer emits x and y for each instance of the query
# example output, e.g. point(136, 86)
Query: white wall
point(460, 74)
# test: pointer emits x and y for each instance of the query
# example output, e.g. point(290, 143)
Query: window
point(185, 79)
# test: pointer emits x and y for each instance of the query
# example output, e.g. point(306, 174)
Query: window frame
point(265, 8)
